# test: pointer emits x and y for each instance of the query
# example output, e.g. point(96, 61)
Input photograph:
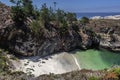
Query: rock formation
point(24, 43)
point(108, 32)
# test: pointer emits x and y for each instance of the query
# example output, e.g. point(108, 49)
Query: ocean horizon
point(92, 14)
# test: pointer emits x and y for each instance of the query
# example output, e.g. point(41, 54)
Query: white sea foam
point(115, 17)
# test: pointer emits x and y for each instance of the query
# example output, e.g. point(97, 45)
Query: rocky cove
point(97, 33)
point(66, 62)
point(26, 44)
point(89, 38)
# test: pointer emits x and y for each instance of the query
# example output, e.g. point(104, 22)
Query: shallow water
point(97, 59)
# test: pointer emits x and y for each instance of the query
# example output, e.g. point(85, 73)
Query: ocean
point(89, 15)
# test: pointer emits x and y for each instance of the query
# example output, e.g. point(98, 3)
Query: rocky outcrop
point(52, 39)
point(5, 19)
point(110, 42)
point(108, 32)
point(75, 75)
point(51, 42)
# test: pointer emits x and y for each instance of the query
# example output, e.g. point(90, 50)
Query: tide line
point(76, 62)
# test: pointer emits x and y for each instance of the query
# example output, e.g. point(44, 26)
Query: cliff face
point(52, 40)
point(4, 16)
point(109, 32)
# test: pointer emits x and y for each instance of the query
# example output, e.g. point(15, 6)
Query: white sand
point(57, 64)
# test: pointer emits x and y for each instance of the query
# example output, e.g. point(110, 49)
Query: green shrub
point(63, 30)
point(116, 70)
point(93, 78)
point(84, 20)
point(35, 26)
point(3, 62)
point(18, 15)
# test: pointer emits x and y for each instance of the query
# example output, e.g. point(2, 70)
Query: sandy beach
point(57, 64)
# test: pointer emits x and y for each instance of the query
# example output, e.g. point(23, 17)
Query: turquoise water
point(97, 60)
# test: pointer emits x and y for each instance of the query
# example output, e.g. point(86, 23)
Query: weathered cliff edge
point(108, 31)
point(103, 33)
point(52, 40)
point(108, 28)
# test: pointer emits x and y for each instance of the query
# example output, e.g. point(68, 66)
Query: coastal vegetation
point(3, 61)
point(24, 10)
point(84, 20)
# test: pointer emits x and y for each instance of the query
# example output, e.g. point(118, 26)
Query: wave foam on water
point(115, 17)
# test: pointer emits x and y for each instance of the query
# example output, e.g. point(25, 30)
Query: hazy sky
point(81, 5)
